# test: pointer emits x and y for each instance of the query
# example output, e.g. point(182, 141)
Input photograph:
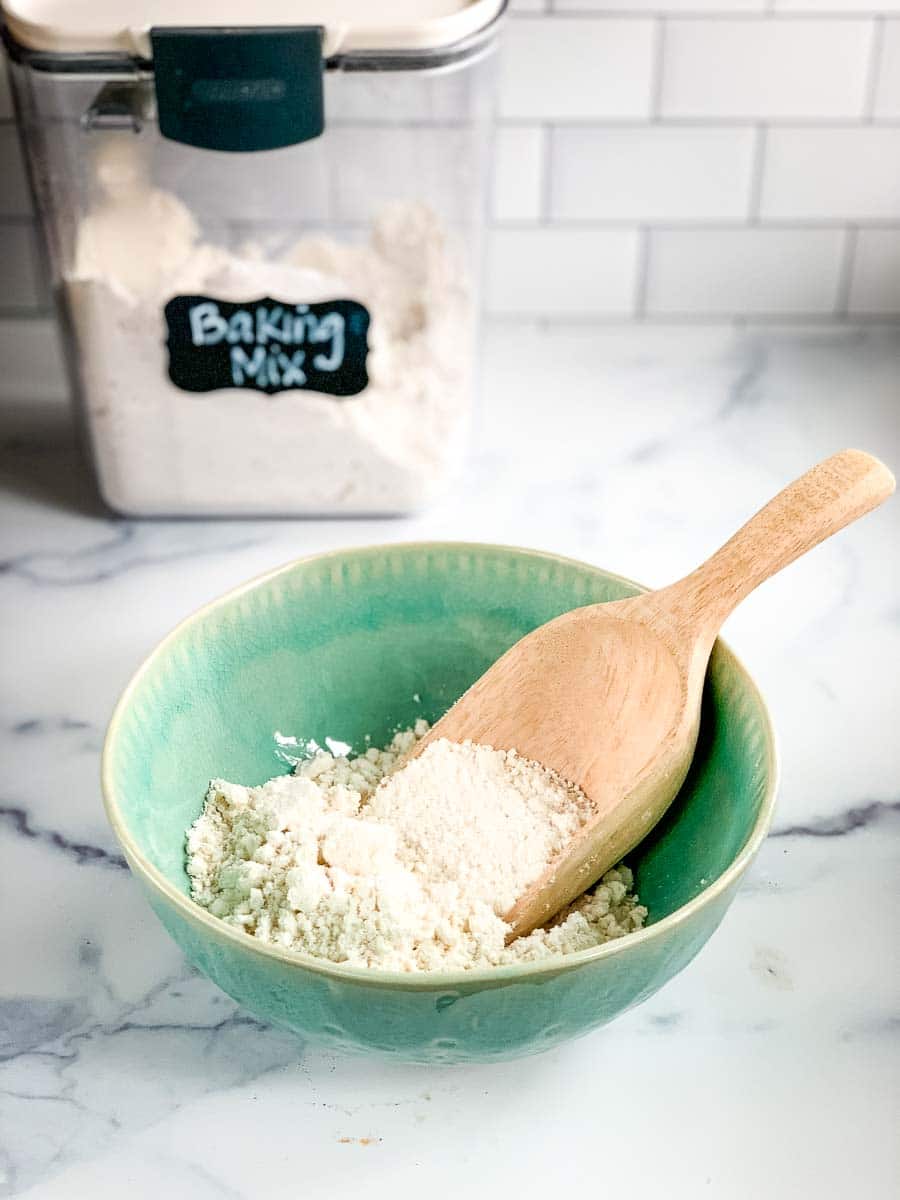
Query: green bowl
point(365, 641)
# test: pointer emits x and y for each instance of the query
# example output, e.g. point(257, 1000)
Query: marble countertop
point(769, 1067)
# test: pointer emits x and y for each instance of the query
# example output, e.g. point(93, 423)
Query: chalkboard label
point(267, 345)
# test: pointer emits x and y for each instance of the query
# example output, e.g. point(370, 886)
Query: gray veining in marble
point(769, 1067)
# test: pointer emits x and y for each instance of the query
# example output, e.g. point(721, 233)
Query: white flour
point(161, 450)
point(358, 862)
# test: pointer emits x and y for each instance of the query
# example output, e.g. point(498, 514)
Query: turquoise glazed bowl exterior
point(361, 642)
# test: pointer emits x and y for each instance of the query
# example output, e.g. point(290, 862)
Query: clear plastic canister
point(266, 330)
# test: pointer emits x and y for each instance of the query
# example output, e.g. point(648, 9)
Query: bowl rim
point(141, 866)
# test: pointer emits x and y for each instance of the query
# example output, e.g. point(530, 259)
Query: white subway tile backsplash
point(15, 200)
point(518, 173)
point(749, 272)
point(739, 131)
point(765, 68)
point(577, 68)
point(875, 282)
point(887, 87)
point(21, 285)
point(841, 174)
point(562, 272)
point(651, 173)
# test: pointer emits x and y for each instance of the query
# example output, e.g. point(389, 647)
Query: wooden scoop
point(609, 695)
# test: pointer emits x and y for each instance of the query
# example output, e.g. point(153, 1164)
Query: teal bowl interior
point(359, 643)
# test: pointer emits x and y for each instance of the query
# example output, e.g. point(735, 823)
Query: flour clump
point(405, 866)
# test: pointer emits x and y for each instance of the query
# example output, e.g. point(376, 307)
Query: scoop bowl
point(361, 642)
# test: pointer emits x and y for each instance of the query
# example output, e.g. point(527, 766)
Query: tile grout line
point(611, 121)
point(577, 319)
point(545, 211)
point(656, 82)
point(756, 175)
point(697, 14)
point(845, 273)
point(873, 72)
point(642, 273)
point(699, 224)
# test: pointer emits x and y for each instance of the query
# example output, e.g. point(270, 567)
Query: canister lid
point(349, 26)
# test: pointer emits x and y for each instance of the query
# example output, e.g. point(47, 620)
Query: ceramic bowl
point(364, 641)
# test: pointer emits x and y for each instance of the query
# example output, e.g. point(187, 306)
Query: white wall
point(667, 159)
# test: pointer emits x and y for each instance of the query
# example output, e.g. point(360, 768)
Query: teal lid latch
point(239, 89)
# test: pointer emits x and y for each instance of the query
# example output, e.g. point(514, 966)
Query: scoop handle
point(812, 508)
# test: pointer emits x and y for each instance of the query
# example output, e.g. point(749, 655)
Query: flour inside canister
point(162, 450)
point(371, 862)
